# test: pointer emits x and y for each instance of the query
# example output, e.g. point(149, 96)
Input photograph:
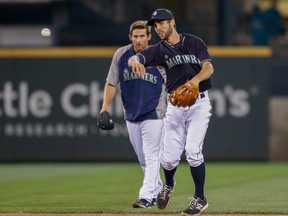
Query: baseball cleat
point(195, 207)
point(164, 196)
point(142, 203)
point(153, 203)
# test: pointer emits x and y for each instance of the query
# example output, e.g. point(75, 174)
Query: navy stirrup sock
point(198, 174)
point(169, 176)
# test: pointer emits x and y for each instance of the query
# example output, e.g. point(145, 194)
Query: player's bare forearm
point(136, 66)
point(109, 93)
point(205, 73)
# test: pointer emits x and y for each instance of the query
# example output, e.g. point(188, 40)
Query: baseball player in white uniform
point(185, 58)
point(144, 101)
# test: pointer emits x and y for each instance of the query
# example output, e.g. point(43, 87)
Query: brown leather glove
point(185, 95)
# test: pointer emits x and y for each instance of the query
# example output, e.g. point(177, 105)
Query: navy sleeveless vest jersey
point(143, 97)
point(181, 61)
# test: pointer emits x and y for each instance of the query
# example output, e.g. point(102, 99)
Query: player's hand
point(104, 108)
point(136, 66)
point(139, 69)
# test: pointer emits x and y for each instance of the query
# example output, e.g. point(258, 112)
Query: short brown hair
point(140, 24)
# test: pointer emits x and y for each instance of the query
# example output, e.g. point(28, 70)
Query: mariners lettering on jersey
point(132, 76)
point(182, 59)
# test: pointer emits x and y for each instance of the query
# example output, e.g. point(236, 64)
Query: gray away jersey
point(144, 97)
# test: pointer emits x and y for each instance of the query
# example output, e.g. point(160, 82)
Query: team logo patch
point(155, 13)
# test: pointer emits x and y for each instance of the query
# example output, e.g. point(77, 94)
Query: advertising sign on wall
point(48, 110)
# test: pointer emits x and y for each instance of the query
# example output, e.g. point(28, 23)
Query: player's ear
point(173, 22)
point(149, 37)
point(130, 37)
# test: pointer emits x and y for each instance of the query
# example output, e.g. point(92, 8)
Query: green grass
point(246, 188)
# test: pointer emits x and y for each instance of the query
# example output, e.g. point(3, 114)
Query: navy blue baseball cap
point(160, 14)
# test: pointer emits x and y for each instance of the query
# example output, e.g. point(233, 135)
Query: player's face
point(163, 28)
point(139, 39)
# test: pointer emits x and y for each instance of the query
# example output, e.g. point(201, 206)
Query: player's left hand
point(185, 95)
point(105, 121)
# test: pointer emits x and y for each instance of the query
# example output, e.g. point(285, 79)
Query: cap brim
point(151, 21)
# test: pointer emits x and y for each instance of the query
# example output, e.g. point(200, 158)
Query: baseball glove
point(185, 95)
point(105, 121)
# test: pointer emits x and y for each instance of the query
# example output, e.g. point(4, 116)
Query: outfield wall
point(49, 99)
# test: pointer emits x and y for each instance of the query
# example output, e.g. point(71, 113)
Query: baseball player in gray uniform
point(185, 57)
point(144, 102)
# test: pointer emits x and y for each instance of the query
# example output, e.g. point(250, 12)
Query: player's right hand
point(136, 66)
